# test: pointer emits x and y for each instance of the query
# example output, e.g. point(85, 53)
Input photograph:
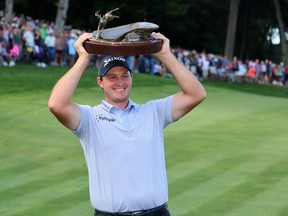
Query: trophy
point(131, 39)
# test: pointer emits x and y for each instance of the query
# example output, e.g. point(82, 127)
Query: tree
point(9, 10)
point(243, 41)
point(283, 42)
point(231, 29)
point(61, 16)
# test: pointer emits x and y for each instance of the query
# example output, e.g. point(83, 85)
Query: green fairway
point(228, 157)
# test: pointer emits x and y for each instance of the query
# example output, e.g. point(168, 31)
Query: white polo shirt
point(124, 152)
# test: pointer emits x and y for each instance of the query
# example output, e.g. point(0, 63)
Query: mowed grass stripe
point(270, 202)
point(232, 104)
point(33, 186)
point(204, 175)
point(59, 205)
point(31, 140)
point(78, 208)
point(270, 147)
point(246, 135)
point(207, 130)
point(37, 162)
point(26, 151)
point(240, 121)
point(284, 211)
point(32, 157)
point(238, 196)
point(46, 194)
point(43, 174)
point(187, 168)
point(228, 125)
point(216, 187)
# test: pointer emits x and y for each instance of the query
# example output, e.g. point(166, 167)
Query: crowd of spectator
point(26, 40)
point(217, 67)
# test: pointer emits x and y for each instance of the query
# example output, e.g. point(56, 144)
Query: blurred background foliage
point(190, 24)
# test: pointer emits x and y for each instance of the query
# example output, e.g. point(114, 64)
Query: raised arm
point(193, 93)
point(60, 103)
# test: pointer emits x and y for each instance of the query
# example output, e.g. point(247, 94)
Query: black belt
point(158, 211)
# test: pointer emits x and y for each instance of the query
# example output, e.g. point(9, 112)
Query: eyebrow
point(124, 73)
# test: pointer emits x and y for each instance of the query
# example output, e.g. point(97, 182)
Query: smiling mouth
point(119, 89)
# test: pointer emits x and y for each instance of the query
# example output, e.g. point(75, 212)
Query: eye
point(112, 77)
point(126, 76)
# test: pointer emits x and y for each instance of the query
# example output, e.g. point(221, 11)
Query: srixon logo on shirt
point(100, 117)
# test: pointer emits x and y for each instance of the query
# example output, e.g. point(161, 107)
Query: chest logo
point(100, 117)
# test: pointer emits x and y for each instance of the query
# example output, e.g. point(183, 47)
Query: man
point(50, 44)
point(123, 141)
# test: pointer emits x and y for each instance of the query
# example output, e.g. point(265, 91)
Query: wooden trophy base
point(101, 47)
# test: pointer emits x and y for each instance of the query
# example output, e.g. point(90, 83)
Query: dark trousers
point(158, 211)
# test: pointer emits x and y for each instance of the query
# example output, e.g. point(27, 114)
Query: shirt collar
point(107, 106)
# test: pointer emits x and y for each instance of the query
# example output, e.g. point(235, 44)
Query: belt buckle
point(138, 213)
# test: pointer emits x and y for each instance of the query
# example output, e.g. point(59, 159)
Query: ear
point(99, 82)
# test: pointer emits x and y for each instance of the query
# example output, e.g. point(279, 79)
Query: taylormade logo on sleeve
point(117, 58)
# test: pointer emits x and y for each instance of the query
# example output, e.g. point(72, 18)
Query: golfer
point(123, 141)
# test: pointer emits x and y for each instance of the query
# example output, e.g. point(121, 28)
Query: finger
point(85, 36)
point(157, 35)
point(79, 42)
